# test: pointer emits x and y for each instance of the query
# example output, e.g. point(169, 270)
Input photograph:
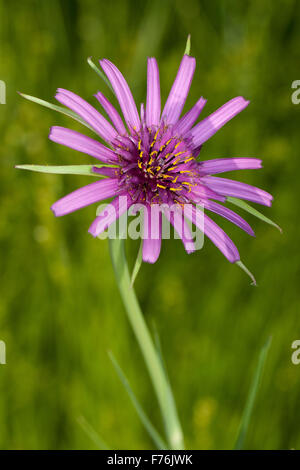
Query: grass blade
point(100, 73)
point(157, 439)
point(63, 170)
point(55, 107)
point(92, 434)
point(160, 354)
point(188, 45)
point(136, 318)
point(138, 264)
point(244, 205)
point(251, 397)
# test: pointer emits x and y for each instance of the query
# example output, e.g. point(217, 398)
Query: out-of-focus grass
point(59, 307)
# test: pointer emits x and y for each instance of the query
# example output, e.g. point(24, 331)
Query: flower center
point(156, 165)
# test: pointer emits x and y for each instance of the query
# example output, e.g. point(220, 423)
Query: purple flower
point(153, 157)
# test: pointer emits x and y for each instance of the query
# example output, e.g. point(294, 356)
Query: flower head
point(153, 159)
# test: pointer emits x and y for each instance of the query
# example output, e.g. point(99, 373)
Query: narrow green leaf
point(160, 354)
point(100, 73)
point(156, 371)
point(188, 45)
point(251, 397)
point(138, 264)
point(157, 439)
point(251, 210)
point(55, 107)
point(63, 170)
point(244, 268)
point(92, 434)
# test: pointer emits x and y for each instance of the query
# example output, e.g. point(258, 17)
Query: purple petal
point(112, 113)
point(210, 125)
point(201, 193)
point(142, 113)
point(110, 214)
point(87, 112)
point(179, 90)
point(232, 188)
point(153, 94)
point(122, 92)
point(106, 171)
point(220, 165)
point(214, 232)
point(229, 214)
point(180, 225)
point(82, 143)
point(85, 196)
point(152, 234)
point(188, 120)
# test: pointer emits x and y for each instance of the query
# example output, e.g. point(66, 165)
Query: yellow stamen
point(154, 138)
point(178, 153)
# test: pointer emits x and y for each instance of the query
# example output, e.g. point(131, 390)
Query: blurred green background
point(60, 310)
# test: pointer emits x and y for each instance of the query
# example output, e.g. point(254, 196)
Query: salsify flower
point(153, 157)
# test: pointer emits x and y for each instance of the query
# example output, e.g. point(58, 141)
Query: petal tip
point(54, 210)
point(50, 135)
point(149, 260)
point(91, 230)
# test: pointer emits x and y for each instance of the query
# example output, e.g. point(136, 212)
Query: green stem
point(157, 374)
